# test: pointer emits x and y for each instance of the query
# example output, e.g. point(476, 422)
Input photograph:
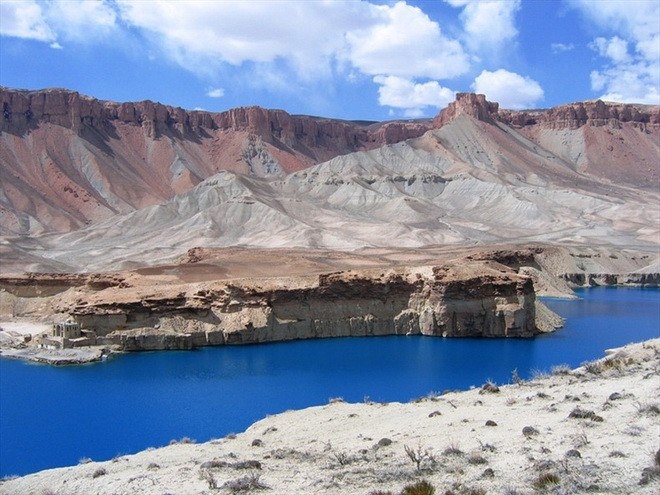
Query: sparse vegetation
point(246, 483)
point(420, 488)
point(174, 441)
point(342, 458)
point(477, 459)
point(561, 369)
point(546, 480)
point(645, 408)
point(101, 471)
point(453, 449)
point(418, 456)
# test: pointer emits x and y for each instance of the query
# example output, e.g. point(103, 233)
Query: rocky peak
point(474, 105)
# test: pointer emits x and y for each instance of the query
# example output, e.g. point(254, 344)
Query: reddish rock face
point(470, 104)
point(87, 159)
point(575, 115)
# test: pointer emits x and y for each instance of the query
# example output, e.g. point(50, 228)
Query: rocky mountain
point(68, 160)
point(481, 175)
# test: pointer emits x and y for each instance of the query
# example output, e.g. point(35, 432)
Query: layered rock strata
point(479, 299)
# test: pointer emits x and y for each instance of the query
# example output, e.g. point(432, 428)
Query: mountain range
point(89, 185)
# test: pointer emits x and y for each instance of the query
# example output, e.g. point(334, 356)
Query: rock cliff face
point(476, 299)
point(67, 160)
point(471, 104)
point(593, 113)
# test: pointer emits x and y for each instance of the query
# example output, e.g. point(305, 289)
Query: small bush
point(246, 483)
point(174, 441)
point(546, 480)
point(585, 414)
point(418, 456)
point(453, 449)
point(650, 409)
point(99, 472)
point(420, 488)
point(477, 459)
point(561, 369)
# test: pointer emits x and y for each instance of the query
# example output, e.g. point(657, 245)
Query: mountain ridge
point(470, 178)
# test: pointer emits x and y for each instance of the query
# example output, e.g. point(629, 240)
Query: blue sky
point(350, 59)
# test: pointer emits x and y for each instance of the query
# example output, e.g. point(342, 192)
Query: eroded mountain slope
point(473, 180)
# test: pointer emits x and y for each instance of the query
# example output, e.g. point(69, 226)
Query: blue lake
point(54, 416)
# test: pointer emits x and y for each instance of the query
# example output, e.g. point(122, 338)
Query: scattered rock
point(530, 431)
point(490, 422)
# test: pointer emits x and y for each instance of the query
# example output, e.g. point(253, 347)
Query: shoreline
point(592, 428)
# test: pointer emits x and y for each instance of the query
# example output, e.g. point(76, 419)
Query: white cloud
point(631, 70)
point(488, 23)
point(509, 89)
point(215, 93)
point(411, 97)
point(615, 48)
point(49, 22)
point(405, 42)
point(307, 36)
point(24, 19)
point(81, 20)
point(562, 47)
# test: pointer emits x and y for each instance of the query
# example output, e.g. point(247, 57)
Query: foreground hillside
point(590, 430)
point(480, 176)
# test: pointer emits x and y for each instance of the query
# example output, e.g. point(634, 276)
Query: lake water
point(54, 416)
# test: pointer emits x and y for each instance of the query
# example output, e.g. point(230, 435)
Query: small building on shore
point(67, 334)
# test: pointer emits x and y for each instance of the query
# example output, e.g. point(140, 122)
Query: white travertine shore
point(340, 449)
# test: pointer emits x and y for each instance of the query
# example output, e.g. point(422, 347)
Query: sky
point(347, 59)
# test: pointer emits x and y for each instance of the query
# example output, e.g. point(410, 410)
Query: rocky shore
point(225, 298)
point(588, 430)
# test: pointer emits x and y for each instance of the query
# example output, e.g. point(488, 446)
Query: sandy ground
point(591, 430)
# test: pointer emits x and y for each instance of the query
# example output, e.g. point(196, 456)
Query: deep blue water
point(53, 416)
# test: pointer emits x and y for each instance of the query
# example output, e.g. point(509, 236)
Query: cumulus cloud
point(24, 19)
point(630, 71)
point(215, 93)
point(509, 89)
point(279, 44)
point(488, 23)
point(403, 41)
point(76, 20)
point(412, 97)
point(312, 40)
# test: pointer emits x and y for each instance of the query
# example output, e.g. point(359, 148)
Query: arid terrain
point(152, 227)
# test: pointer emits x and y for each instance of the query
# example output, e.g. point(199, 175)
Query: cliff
point(68, 160)
point(481, 299)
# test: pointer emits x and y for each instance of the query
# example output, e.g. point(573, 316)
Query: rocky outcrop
point(591, 113)
point(476, 299)
point(572, 116)
point(474, 105)
point(25, 110)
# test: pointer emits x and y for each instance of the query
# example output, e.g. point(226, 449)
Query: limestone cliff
point(476, 299)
